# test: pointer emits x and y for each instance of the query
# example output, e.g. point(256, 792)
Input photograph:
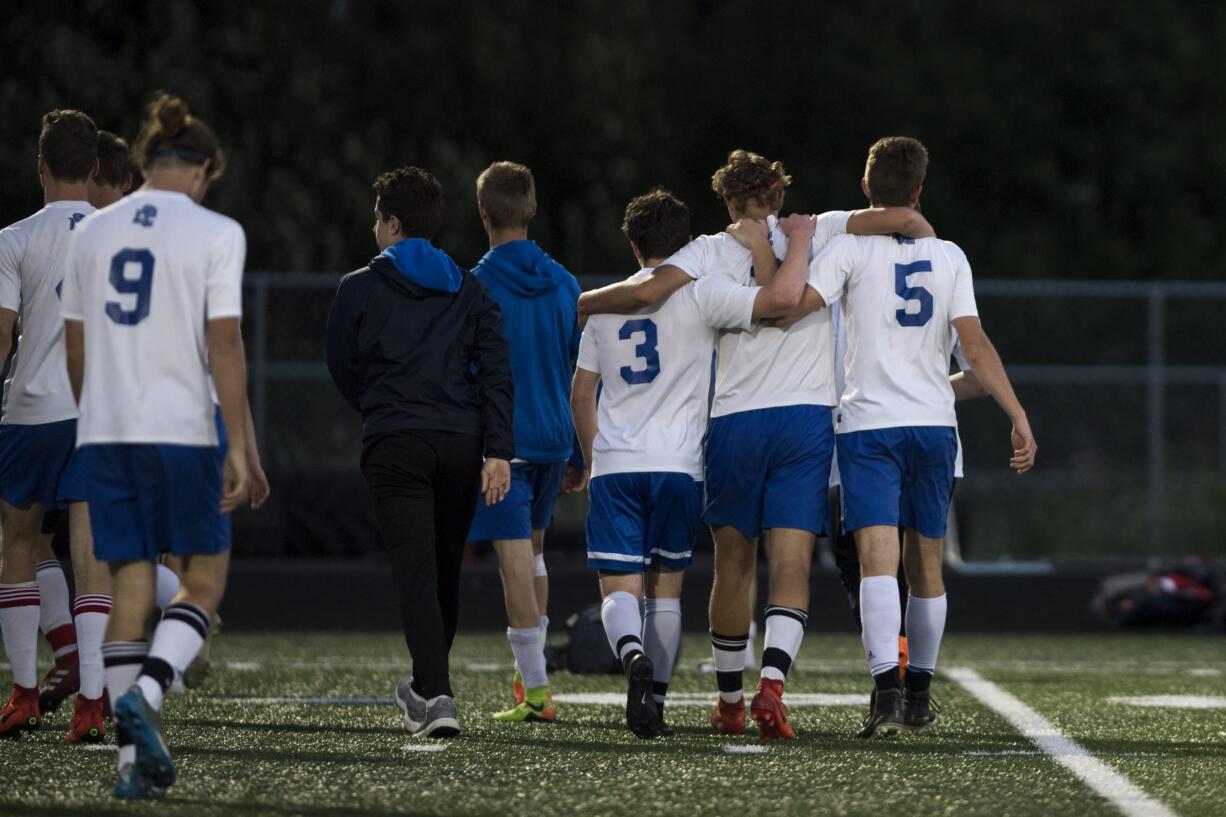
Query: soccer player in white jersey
point(770, 443)
point(152, 302)
point(644, 442)
point(897, 428)
point(36, 443)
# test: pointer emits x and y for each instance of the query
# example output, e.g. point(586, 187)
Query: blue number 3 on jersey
point(645, 350)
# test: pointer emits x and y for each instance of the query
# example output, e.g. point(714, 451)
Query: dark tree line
point(1067, 140)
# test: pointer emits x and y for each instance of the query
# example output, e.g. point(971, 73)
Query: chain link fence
point(1125, 385)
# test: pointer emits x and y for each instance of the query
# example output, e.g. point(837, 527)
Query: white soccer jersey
point(655, 370)
point(33, 260)
point(899, 296)
point(765, 366)
point(146, 274)
point(840, 351)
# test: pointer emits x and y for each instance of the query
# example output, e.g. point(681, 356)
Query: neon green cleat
point(537, 706)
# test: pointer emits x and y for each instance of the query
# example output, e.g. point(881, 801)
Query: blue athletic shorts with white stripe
point(642, 521)
point(898, 476)
point(768, 468)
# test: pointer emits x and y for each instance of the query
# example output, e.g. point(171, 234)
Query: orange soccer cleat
point(729, 719)
point(21, 713)
point(88, 721)
point(62, 681)
point(769, 711)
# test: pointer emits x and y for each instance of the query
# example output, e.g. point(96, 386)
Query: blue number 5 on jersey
point(141, 286)
point(645, 350)
point(910, 293)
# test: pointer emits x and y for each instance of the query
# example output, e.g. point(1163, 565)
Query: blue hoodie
point(539, 301)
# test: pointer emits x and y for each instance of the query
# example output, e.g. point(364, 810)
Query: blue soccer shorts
point(145, 500)
point(898, 476)
point(528, 505)
point(642, 521)
point(33, 460)
point(768, 468)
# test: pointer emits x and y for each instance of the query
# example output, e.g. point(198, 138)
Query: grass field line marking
point(357, 700)
point(424, 747)
point(1172, 701)
point(745, 749)
point(1117, 789)
point(708, 699)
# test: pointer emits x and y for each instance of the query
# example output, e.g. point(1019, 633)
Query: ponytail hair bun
point(171, 134)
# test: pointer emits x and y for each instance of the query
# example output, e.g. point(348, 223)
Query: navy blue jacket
point(414, 342)
point(540, 314)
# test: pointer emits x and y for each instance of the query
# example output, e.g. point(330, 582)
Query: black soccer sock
point(918, 681)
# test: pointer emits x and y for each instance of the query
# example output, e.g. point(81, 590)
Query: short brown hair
point(172, 134)
point(68, 143)
point(748, 176)
point(658, 223)
point(895, 170)
point(115, 165)
point(414, 197)
point(507, 193)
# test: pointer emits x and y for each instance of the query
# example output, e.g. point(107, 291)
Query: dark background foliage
point(1067, 140)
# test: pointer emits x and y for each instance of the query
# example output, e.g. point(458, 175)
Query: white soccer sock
point(123, 661)
point(178, 637)
point(53, 600)
point(167, 587)
point(529, 655)
point(728, 655)
point(19, 625)
point(544, 630)
point(623, 623)
point(925, 626)
point(661, 638)
point(751, 648)
point(880, 618)
point(785, 627)
point(92, 613)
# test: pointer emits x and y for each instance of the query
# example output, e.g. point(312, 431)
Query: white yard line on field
point(1117, 789)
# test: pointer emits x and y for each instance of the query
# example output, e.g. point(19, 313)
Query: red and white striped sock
point(92, 612)
point(19, 625)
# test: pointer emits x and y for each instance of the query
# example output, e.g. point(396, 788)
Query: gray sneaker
point(411, 704)
point(441, 719)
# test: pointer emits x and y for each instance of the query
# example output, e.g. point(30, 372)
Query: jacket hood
point(523, 268)
point(418, 262)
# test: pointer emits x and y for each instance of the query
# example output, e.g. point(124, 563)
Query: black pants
point(424, 485)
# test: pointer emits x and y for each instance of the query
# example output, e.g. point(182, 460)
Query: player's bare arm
point(629, 296)
point(967, 386)
point(8, 318)
point(583, 408)
point(259, 488)
point(785, 291)
point(74, 355)
point(230, 377)
point(990, 372)
point(754, 235)
point(889, 220)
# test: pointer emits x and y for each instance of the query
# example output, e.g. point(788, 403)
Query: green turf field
point(262, 737)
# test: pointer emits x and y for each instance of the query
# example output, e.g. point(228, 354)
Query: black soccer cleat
point(666, 731)
point(918, 710)
point(884, 714)
point(642, 715)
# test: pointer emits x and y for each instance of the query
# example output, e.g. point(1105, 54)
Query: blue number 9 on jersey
point(645, 350)
point(140, 286)
point(909, 293)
